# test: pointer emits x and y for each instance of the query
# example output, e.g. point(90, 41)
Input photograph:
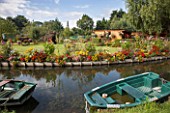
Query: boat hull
point(141, 88)
point(22, 92)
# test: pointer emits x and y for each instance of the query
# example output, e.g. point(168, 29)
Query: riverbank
point(71, 64)
point(145, 108)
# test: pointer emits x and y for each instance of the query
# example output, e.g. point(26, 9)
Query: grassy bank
point(59, 48)
point(146, 108)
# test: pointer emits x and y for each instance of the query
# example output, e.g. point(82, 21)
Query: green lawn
point(59, 48)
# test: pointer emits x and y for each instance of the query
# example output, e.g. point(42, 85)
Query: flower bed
point(121, 57)
point(85, 57)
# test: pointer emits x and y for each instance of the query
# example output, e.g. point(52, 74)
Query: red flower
point(89, 58)
point(22, 59)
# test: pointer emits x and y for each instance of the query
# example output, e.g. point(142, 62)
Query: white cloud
point(82, 7)
point(12, 7)
point(72, 17)
point(33, 12)
point(22, 7)
point(57, 1)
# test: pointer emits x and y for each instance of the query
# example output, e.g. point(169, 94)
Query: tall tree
point(102, 24)
point(86, 24)
point(6, 27)
point(77, 31)
point(121, 23)
point(117, 14)
point(20, 21)
point(67, 32)
point(55, 26)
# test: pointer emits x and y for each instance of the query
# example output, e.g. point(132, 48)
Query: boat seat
point(19, 93)
point(5, 93)
point(98, 99)
point(110, 100)
point(145, 89)
point(133, 92)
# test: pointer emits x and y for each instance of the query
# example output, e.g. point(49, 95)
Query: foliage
point(116, 43)
point(96, 40)
point(144, 108)
point(20, 21)
point(6, 49)
point(77, 31)
point(49, 48)
point(149, 15)
point(126, 45)
point(33, 55)
point(90, 48)
point(50, 58)
point(159, 43)
point(121, 23)
point(35, 34)
point(78, 52)
point(6, 26)
point(102, 24)
point(86, 24)
point(54, 25)
point(117, 14)
point(67, 32)
point(7, 111)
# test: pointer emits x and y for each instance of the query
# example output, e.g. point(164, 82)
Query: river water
point(61, 89)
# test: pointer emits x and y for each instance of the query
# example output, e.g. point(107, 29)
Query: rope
point(86, 108)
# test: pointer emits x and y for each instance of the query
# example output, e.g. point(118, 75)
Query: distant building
point(113, 34)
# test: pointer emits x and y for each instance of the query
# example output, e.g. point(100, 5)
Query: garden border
point(72, 64)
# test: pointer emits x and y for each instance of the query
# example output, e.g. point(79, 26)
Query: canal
point(61, 89)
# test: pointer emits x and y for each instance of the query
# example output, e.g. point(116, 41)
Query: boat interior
point(134, 90)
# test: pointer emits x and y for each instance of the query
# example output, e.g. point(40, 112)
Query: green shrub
point(6, 49)
point(126, 45)
point(49, 48)
point(159, 43)
point(96, 40)
point(6, 111)
point(90, 47)
point(116, 43)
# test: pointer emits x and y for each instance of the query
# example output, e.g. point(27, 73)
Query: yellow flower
point(29, 50)
point(94, 58)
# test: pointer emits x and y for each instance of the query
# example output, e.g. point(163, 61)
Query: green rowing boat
point(129, 92)
point(15, 92)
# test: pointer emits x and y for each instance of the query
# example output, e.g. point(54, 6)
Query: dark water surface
point(60, 90)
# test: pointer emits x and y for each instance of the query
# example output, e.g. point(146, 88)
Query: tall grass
point(145, 108)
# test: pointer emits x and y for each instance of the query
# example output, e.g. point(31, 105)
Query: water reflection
point(60, 90)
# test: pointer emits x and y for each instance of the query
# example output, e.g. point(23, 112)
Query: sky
point(64, 10)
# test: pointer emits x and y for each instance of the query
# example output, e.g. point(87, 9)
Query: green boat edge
point(20, 96)
point(119, 81)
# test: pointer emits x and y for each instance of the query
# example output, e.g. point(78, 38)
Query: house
point(112, 34)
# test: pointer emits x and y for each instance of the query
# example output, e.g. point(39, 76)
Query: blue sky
point(64, 10)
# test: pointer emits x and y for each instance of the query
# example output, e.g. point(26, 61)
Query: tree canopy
point(6, 27)
point(86, 24)
point(102, 24)
point(149, 16)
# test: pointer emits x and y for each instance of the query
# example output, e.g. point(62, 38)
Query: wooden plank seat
point(19, 93)
point(5, 93)
point(133, 91)
point(98, 99)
